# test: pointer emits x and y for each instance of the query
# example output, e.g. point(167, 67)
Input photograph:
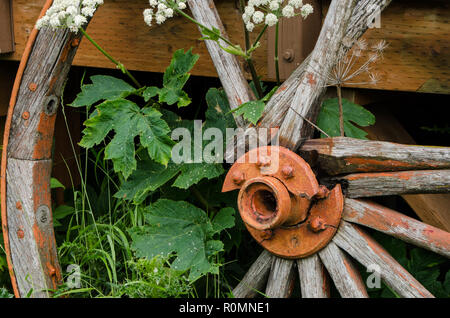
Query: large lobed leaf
point(177, 227)
point(328, 119)
point(128, 121)
point(103, 87)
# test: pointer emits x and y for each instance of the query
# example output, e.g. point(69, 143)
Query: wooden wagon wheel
point(26, 162)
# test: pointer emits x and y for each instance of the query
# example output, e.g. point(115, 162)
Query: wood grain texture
point(227, 66)
point(345, 20)
point(342, 155)
point(27, 153)
point(255, 279)
point(417, 32)
point(31, 237)
point(280, 283)
point(314, 281)
point(374, 184)
point(345, 276)
point(397, 225)
point(433, 209)
point(368, 252)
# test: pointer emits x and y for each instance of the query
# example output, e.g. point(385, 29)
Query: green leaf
point(223, 220)
point(175, 77)
point(127, 120)
point(180, 228)
point(212, 34)
point(251, 111)
point(55, 183)
point(218, 112)
point(193, 173)
point(103, 87)
point(62, 211)
point(148, 177)
point(328, 119)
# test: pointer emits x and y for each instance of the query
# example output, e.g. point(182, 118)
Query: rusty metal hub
point(282, 204)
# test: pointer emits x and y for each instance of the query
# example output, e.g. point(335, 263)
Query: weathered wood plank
point(431, 208)
point(27, 153)
point(346, 21)
point(397, 225)
point(255, 279)
point(368, 252)
point(417, 33)
point(345, 276)
point(341, 155)
point(280, 283)
point(227, 66)
point(359, 185)
point(313, 278)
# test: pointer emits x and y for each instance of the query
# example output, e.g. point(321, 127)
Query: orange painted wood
point(341, 155)
point(397, 225)
point(369, 253)
point(359, 185)
point(433, 209)
point(417, 32)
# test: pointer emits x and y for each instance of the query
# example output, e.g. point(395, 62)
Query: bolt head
point(266, 234)
point(263, 161)
point(287, 171)
point(317, 224)
point(238, 177)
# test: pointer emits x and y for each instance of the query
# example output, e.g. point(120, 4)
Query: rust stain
point(311, 79)
point(44, 142)
point(12, 103)
point(403, 175)
point(19, 205)
point(20, 234)
point(32, 87)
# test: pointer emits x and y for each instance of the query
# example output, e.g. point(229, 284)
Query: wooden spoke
point(342, 155)
point(345, 276)
point(394, 183)
point(369, 253)
point(398, 225)
point(281, 278)
point(230, 73)
point(314, 281)
point(256, 277)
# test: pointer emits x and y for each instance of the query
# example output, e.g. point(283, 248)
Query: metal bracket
point(281, 203)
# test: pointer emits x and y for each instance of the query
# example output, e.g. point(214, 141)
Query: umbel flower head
point(71, 14)
point(268, 12)
point(161, 10)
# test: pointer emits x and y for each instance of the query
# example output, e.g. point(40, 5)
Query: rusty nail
point(26, 115)
point(323, 192)
point(75, 42)
point(19, 205)
point(266, 234)
point(288, 172)
point(51, 270)
point(20, 233)
point(32, 87)
point(238, 177)
point(263, 161)
point(317, 224)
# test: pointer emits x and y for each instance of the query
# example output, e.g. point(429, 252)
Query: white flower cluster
point(269, 11)
point(71, 14)
point(161, 10)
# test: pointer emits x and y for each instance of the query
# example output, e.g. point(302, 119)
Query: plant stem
point(246, 33)
point(255, 78)
point(277, 64)
point(341, 110)
point(117, 63)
